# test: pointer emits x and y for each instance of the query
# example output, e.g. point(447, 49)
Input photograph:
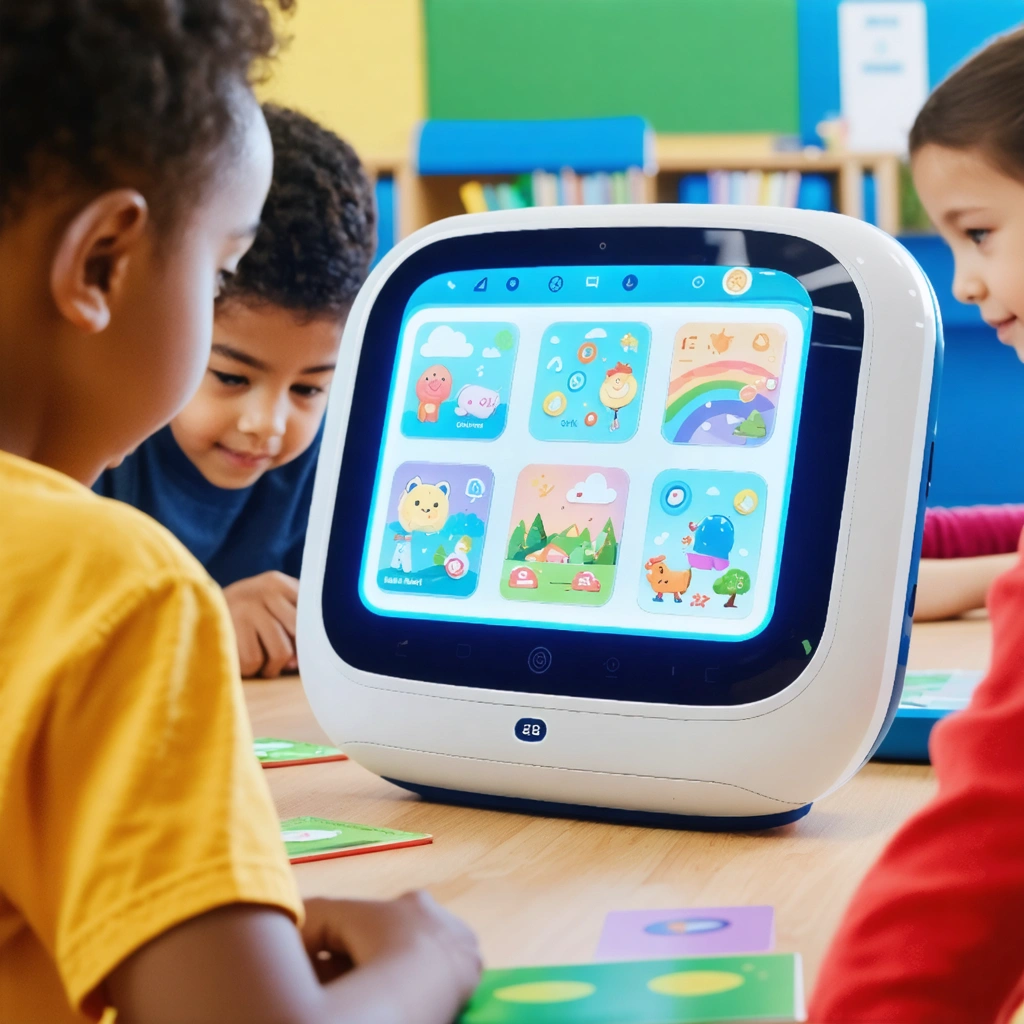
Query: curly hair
point(317, 233)
point(980, 106)
point(114, 92)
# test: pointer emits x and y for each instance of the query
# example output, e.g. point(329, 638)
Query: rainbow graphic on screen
point(724, 383)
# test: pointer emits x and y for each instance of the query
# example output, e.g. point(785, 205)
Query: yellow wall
point(357, 67)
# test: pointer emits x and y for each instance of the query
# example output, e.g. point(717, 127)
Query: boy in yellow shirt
point(141, 867)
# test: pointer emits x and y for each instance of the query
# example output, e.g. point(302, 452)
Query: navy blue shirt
point(234, 533)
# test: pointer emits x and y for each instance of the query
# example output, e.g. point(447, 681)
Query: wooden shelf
point(425, 199)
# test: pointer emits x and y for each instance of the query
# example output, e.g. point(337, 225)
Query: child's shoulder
point(59, 526)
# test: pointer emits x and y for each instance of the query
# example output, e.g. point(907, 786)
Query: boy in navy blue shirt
point(232, 474)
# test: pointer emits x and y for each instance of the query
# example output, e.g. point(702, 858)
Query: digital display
point(606, 448)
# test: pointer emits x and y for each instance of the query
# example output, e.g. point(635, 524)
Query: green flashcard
point(319, 838)
point(273, 753)
point(684, 991)
point(939, 691)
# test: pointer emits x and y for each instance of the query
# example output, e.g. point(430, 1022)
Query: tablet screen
point(590, 448)
point(600, 463)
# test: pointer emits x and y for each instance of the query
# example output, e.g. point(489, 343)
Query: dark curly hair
point(980, 106)
point(103, 93)
point(317, 233)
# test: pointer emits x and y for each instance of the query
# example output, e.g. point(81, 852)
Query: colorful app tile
point(724, 383)
point(437, 517)
point(460, 380)
point(590, 382)
point(563, 546)
point(703, 543)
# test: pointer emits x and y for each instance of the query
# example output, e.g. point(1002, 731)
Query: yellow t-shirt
point(130, 798)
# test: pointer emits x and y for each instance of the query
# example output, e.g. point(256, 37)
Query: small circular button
point(512, 284)
point(612, 666)
point(539, 660)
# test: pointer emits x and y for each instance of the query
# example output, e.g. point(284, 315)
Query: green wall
point(685, 65)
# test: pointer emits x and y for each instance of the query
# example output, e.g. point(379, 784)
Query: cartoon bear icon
point(424, 508)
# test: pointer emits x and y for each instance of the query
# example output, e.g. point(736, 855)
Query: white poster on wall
point(883, 71)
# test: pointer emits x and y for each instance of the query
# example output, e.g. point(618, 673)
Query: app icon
point(460, 380)
point(434, 537)
point(737, 280)
point(589, 382)
point(687, 560)
point(563, 541)
point(512, 284)
point(481, 285)
point(629, 282)
point(593, 282)
point(725, 381)
point(555, 284)
point(698, 282)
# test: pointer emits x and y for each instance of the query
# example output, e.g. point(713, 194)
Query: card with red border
point(308, 839)
point(275, 753)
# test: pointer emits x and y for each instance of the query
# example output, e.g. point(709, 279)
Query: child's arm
point(935, 933)
point(263, 609)
point(405, 961)
point(948, 587)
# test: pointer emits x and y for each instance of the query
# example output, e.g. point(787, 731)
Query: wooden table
point(537, 889)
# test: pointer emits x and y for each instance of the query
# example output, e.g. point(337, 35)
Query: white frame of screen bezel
point(872, 599)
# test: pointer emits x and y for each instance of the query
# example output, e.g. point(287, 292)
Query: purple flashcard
point(651, 934)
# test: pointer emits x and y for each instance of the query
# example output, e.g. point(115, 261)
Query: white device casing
point(771, 756)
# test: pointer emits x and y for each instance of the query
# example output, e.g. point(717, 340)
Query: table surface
point(536, 890)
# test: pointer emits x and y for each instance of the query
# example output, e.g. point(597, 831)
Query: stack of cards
point(273, 753)
point(662, 970)
point(308, 839)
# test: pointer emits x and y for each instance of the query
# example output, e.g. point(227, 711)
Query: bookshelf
point(426, 186)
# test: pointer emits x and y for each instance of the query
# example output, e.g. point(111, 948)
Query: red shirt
point(935, 932)
point(969, 532)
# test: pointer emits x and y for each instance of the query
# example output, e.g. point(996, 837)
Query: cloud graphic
point(597, 332)
point(592, 491)
point(743, 552)
point(555, 339)
point(445, 343)
point(491, 353)
point(661, 538)
point(713, 492)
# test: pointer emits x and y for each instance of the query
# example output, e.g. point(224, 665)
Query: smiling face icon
point(618, 390)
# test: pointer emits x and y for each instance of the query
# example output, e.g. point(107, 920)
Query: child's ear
point(91, 261)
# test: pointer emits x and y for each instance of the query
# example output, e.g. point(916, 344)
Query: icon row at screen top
point(735, 283)
point(703, 535)
point(723, 386)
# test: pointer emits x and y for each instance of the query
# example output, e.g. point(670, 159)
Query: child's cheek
point(206, 418)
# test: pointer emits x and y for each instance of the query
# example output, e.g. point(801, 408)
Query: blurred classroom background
point(462, 105)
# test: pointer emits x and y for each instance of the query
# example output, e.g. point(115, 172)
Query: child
point(935, 933)
point(232, 475)
point(141, 867)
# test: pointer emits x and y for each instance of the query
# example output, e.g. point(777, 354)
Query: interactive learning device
point(617, 510)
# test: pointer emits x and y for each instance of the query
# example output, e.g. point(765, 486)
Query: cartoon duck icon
point(618, 390)
point(713, 538)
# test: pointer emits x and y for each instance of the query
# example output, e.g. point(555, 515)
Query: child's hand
point(437, 955)
point(263, 609)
